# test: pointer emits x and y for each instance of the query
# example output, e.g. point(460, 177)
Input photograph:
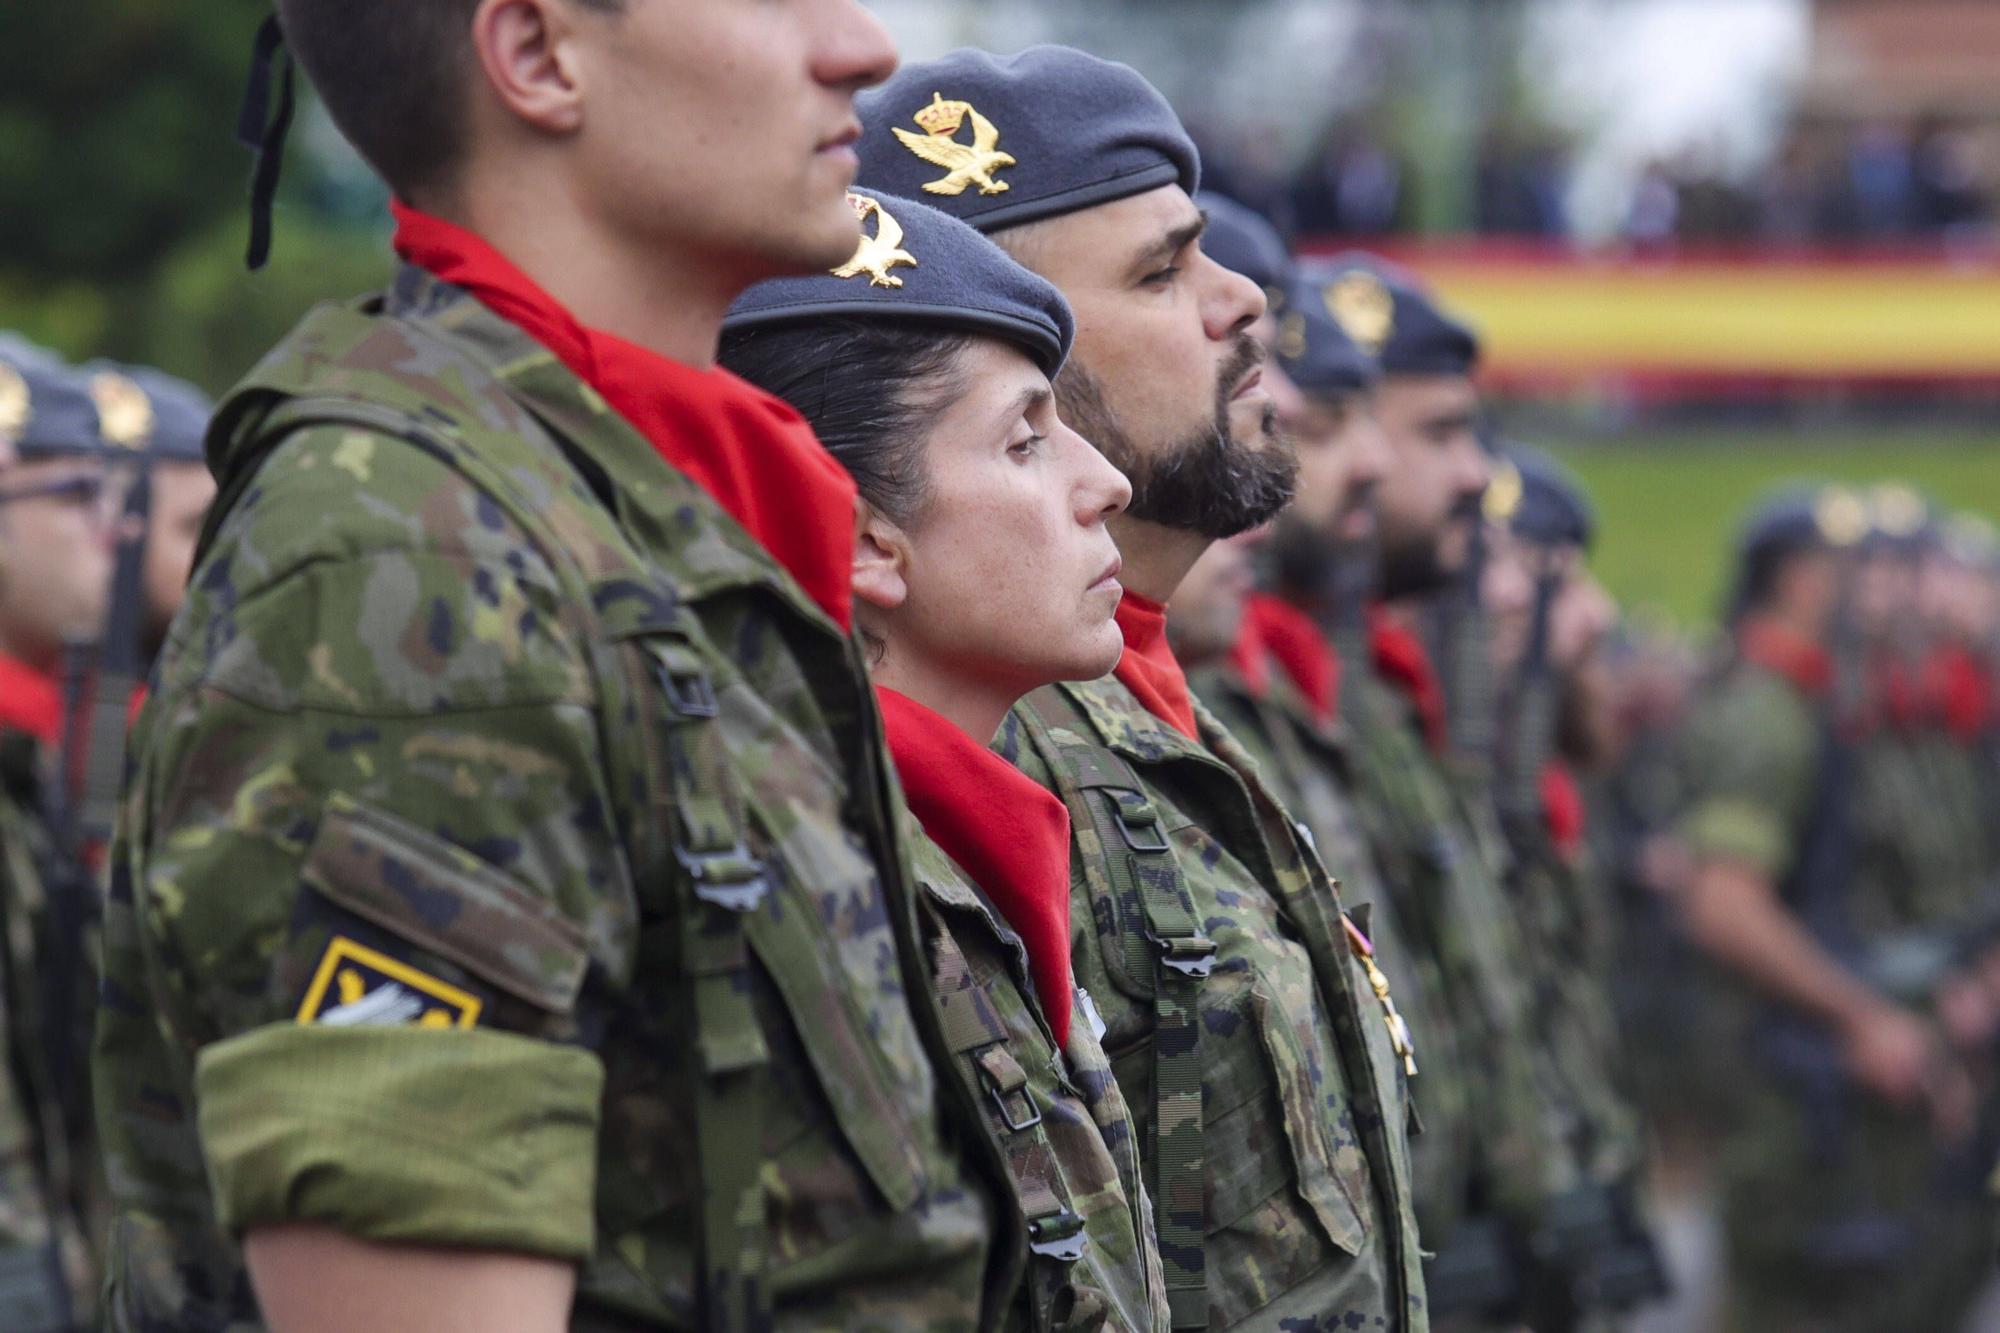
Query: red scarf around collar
point(1562, 808)
point(1402, 659)
point(1149, 668)
point(1001, 827)
point(30, 701)
point(1785, 652)
point(1275, 630)
point(1958, 690)
point(751, 452)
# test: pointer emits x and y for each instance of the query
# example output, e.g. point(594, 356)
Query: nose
point(1100, 490)
point(1230, 302)
point(1370, 444)
point(1475, 466)
point(853, 50)
point(1284, 395)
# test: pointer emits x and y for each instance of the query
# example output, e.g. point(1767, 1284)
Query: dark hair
point(392, 74)
point(867, 386)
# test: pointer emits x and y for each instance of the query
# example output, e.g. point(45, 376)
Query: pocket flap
point(444, 899)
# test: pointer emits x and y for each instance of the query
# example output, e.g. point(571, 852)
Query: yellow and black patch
point(356, 986)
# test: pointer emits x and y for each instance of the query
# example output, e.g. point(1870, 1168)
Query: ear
point(524, 49)
point(881, 556)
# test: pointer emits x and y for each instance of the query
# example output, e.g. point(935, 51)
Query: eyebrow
point(1027, 399)
point(1170, 244)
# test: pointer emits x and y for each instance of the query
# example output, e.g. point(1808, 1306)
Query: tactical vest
point(779, 1045)
point(1071, 1149)
point(1273, 1106)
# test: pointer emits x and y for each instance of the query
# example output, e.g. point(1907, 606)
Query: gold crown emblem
point(879, 253)
point(1840, 516)
point(124, 412)
point(1503, 493)
point(16, 408)
point(1292, 335)
point(1363, 308)
point(942, 118)
point(1899, 511)
point(964, 164)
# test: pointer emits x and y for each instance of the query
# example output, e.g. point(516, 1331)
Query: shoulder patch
point(356, 986)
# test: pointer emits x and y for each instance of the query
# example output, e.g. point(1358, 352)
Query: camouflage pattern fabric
point(397, 932)
point(49, 1224)
point(1072, 1148)
point(1840, 1213)
point(1457, 912)
point(1305, 1213)
point(1308, 768)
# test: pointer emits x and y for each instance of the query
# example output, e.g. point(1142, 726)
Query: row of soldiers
point(102, 495)
point(580, 868)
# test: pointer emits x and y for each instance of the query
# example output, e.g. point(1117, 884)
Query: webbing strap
point(1138, 864)
point(973, 1030)
point(721, 884)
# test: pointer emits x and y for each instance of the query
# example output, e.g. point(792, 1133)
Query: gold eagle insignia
point(124, 413)
point(1841, 516)
point(16, 406)
point(1899, 511)
point(878, 253)
point(964, 165)
point(1503, 493)
point(1292, 335)
point(1363, 308)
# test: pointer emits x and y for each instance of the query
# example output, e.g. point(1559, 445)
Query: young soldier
point(55, 565)
point(508, 926)
point(1242, 1028)
point(1848, 1203)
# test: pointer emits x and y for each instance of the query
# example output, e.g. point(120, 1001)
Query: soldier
point(1839, 1208)
point(508, 925)
point(55, 563)
point(1241, 1025)
point(1433, 836)
point(982, 570)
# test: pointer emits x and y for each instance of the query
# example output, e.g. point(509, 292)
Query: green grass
point(1669, 504)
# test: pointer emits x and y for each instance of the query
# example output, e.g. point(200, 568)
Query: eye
point(1162, 278)
point(1027, 447)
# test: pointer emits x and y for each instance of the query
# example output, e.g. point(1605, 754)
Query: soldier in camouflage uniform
point(983, 569)
point(55, 533)
point(1241, 1024)
point(508, 927)
point(1434, 836)
point(1847, 1201)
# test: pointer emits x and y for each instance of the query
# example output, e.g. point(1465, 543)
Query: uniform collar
point(30, 701)
point(1149, 668)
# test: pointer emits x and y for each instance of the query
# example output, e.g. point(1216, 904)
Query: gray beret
point(1389, 312)
point(46, 409)
point(1313, 348)
point(1242, 241)
point(178, 412)
point(1003, 140)
point(919, 265)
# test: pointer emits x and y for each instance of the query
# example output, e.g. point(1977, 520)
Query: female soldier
point(982, 570)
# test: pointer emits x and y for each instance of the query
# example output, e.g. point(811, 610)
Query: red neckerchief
point(30, 701)
point(1400, 656)
point(751, 452)
point(1289, 636)
point(1148, 667)
point(1782, 650)
point(1562, 808)
point(1899, 690)
point(1958, 690)
point(1001, 827)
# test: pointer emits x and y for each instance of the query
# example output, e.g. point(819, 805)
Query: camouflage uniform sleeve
point(371, 862)
point(1752, 753)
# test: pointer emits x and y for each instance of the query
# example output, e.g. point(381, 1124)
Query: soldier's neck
point(1156, 558)
point(976, 707)
point(641, 292)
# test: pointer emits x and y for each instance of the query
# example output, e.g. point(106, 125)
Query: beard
point(1208, 483)
point(1324, 569)
point(1415, 567)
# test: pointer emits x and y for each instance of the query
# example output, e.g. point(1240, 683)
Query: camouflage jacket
point(511, 860)
point(1072, 1151)
point(48, 1270)
point(1308, 768)
point(1428, 844)
point(1242, 1030)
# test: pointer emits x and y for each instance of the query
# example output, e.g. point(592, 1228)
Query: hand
point(1969, 1012)
point(1889, 1052)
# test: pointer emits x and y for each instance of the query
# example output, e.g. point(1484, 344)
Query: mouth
point(842, 142)
point(1252, 385)
point(1109, 578)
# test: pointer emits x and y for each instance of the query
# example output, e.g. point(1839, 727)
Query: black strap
point(264, 134)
